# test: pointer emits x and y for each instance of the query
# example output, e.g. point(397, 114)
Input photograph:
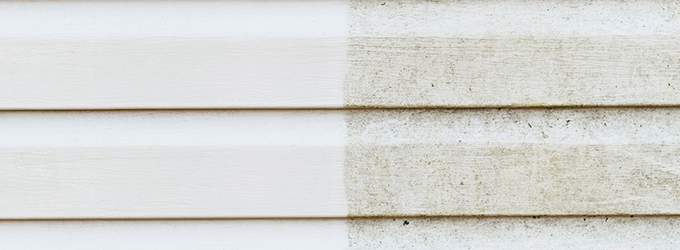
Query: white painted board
point(334, 54)
point(147, 164)
point(174, 234)
point(177, 54)
point(312, 163)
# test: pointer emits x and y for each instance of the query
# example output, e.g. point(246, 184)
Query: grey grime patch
point(521, 72)
point(515, 233)
point(520, 18)
point(410, 53)
point(488, 162)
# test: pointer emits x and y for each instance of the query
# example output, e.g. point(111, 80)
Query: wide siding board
point(177, 54)
point(199, 164)
point(333, 54)
point(513, 162)
point(249, 164)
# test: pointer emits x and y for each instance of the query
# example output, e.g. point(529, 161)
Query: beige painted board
point(310, 163)
point(388, 233)
point(334, 54)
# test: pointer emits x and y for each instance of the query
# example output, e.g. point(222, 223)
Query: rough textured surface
point(532, 72)
point(515, 233)
point(513, 162)
point(512, 53)
point(506, 18)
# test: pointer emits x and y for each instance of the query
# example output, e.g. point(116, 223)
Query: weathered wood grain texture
point(388, 233)
point(307, 163)
point(334, 54)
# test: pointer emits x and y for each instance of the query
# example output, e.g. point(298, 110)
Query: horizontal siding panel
point(601, 177)
point(514, 72)
point(513, 162)
point(334, 54)
point(412, 53)
point(199, 164)
point(307, 163)
point(389, 233)
point(515, 233)
point(172, 182)
point(167, 73)
point(174, 234)
point(170, 55)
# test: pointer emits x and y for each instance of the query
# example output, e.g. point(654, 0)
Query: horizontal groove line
point(349, 218)
point(352, 108)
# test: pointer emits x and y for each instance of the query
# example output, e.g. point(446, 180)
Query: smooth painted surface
point(201, 234)
point(171, 72)
point(172, 54)
point(197, 19)
point(193, 164)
